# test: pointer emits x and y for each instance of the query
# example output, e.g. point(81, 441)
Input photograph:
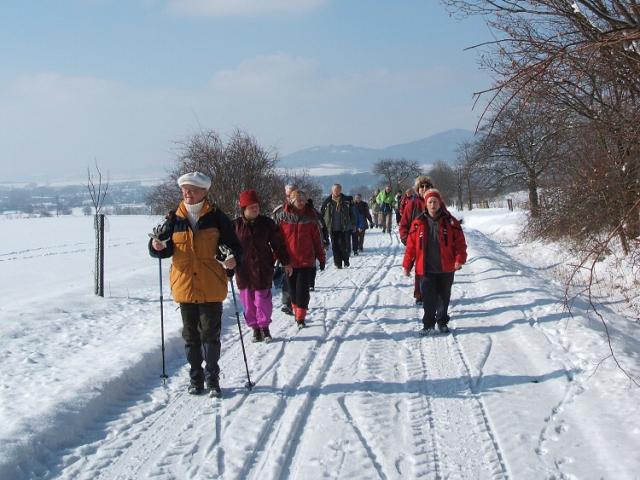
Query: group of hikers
point(291, 243)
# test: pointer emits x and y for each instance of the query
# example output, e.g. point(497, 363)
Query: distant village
point(122, 198)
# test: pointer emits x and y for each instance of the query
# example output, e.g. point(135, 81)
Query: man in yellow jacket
point(198, 280)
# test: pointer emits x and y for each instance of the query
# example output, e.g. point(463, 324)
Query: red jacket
point(453, 247)
point(412, 210)
point(301, 235)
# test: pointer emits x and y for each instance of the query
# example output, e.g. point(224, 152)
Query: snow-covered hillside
point(519, 390)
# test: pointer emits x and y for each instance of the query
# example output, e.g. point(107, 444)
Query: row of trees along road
point(563, 119)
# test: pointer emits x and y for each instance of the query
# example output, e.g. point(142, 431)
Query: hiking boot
point(300, 324)
point(346, 263)
point(213, 385)
point(266, 335)
point(426, 332)
point(444, 328)
point(286, 309)
point(195, 389)
point(257, 335)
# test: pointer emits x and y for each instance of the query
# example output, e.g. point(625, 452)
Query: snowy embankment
point(518, 391)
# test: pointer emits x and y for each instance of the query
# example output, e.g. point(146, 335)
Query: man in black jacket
point(340, 218)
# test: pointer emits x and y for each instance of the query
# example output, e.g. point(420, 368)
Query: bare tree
point(97, 193)
point(466, 163)
point(524, 143)
point(444, 179)
point(399, 173)
point(583, 56)
point(236, 165)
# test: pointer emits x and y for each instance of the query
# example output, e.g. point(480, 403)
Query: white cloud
point(241, 7)
point(51, 122)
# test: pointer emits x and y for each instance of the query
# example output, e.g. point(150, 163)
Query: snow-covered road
point(511, 393)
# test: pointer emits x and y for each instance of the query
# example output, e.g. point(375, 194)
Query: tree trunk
point(534, 204)
point(99, 275)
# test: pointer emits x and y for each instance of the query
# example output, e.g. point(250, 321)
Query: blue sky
point(121, 82)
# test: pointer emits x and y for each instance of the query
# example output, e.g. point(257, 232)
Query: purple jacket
point(262, 243)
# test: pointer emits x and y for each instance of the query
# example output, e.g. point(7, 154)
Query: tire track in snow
point(425, 459)
point(285, 438)
point(444, 377)
point(365, 444)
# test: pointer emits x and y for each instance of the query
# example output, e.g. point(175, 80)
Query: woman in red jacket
point(299, 227)
point(437, 246)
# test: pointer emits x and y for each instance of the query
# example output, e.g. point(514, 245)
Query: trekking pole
point(249, 385)
point(164, 374)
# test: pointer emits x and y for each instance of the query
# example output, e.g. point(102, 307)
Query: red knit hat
point(432, 192)
point(248, 197)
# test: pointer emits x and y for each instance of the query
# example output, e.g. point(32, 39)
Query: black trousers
point(340, 246)
point(436, 293)
point(299, 282)
point(357, 240)
point(201, 326)
point(286, 294)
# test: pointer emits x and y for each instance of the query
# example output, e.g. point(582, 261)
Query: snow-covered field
point(520, 390)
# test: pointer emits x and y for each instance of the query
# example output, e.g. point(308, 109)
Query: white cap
point(196, 179)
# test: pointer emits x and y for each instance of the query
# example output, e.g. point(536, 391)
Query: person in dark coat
point(363, 221)
point(437, 247)
point(261, 242)
point(192, 235)
point(340, 218)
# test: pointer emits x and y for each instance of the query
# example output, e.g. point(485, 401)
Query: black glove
point(321, 266)
point(222, 255)
point(161, 233)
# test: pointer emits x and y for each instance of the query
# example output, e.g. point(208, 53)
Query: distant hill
point(321, 159)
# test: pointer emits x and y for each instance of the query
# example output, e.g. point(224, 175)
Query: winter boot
point(213, 385)
point(287, 309)
point(443, 328)
point(257, 335)
point(301, 314)
point(195, 389)
point(426, 332)
point(266, 334)
point(442, 324)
